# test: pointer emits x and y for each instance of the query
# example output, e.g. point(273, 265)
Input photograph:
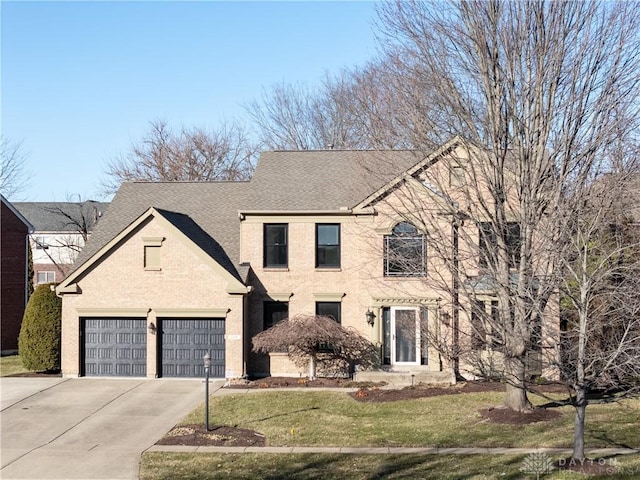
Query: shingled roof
point(322, 179)
point(61, 216)
point(284, 181)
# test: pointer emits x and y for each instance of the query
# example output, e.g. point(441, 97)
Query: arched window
point(404, 252)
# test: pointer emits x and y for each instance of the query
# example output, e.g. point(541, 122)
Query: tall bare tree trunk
point(578, 424)
point(516, 395)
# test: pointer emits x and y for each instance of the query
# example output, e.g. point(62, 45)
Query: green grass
point(203, 466)
point(317, 418)
point(335, 419)
point(10, 365)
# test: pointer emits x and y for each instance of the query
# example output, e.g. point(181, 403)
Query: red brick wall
point(13, 264)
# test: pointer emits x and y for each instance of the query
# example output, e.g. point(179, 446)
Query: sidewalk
point(598, 452)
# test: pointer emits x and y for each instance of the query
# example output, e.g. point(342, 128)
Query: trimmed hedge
point(39, 341)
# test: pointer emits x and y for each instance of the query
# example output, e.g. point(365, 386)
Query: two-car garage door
point(118, 347)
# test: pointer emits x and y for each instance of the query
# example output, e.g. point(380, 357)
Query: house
point(61, 229)
point(175, 270)
point(13, 274)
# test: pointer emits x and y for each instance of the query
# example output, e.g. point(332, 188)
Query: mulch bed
point(37, 374)
point(376, 394)
point(511, 417)
point(289, 382)
point(221, 436)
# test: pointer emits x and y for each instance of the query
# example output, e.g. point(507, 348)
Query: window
point(46, 277)
point(404, 252)
point(274, 312)
point(327, 245)
point(275, 245)
point(330, 309)
point(488, 244)
point(41, 243)
point(484, 329)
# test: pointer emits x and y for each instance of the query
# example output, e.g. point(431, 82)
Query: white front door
point(405, 336)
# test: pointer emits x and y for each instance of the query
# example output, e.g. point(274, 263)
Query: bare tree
point(313, 339)
point(13, 177)
point(75, 222)
point(193, 154)
point(536, 89)
point(299, 117)
point(601, 299)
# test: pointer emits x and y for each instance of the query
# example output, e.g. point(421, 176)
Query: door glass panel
point(405, 323)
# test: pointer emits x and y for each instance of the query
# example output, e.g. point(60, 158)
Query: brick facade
point(13, 270)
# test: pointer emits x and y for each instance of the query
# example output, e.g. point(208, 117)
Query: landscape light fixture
point(207, 366)
point(370, 317)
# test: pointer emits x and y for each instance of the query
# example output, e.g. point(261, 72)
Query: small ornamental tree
point(39, 341)
point(313, 339)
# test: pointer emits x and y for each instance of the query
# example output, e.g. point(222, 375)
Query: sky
point(80, 81)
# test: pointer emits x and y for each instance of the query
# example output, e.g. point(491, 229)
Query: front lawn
point(321, 418)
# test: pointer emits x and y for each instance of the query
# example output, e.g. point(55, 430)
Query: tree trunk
point(312, 367)
point(578, 425)
point(515, 396)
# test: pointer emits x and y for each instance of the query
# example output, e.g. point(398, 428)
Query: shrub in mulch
point(218, 436)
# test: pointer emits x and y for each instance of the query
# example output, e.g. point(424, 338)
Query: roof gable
point(17, 213)
point(188, 232)
point(410, 173)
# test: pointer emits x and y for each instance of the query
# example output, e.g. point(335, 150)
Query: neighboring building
point(61, 229)
point(175, 270)
point(13, 274)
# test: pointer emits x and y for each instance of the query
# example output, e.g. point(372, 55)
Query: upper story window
point(275, 245)
point(404, 252)
point(45, 277)
point(41, 243)
point(327, 245)
point(488, 244)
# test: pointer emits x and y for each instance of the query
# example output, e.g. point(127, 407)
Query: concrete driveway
point(88, 428)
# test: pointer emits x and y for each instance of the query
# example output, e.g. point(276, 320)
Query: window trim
point(338, 245)
point(265, 246)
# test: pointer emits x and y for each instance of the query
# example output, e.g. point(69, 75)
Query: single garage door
point(185, 342)
point(115, 347)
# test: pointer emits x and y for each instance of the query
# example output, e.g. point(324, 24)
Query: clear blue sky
point(82, 80)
